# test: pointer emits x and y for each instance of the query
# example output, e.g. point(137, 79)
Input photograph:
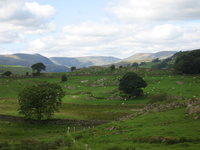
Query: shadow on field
point(52, 121)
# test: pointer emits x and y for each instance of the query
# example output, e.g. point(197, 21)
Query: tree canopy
point(73, 68)
point(40, 100)
point(38, 67)
point(131, 84)
point(188, 62)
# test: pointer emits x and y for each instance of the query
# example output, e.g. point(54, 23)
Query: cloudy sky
point(117, 28)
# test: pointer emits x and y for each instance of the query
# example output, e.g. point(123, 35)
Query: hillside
point(145, 57)
point(27, 60)
point(158, 123)
point(20, 70)
point(80, 62)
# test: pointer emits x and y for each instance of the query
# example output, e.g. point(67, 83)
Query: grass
point(90, 97)
point(144, 132)
point(16, 70)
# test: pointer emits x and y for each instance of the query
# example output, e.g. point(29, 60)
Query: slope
point(84, 61)
point(28, 59)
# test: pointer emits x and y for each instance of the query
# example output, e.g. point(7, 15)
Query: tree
point(142, 63)
point(135, 65)
point(38, 67)
point(63, 78)
point(73, 68)
point(112, 67)
point(7, 73)
point(188, 62)
point(131, 84)
point(27, 73)
point(40, 100)
point(156, 60)
point(160, 65)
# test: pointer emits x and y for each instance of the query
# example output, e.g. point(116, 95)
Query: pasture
point(89, 96)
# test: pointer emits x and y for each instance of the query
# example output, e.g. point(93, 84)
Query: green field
point(16, 70)
point(92, 94)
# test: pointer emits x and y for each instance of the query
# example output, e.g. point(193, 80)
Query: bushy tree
point(38, 67)
point(188, 62)
point(7, 73)
point(155, 60)
point(73, 68)
point(40, 100)
point(112, 67)
point(142, 63)
point(161, 65)
point(27, 73)
point(135, 65)
point(63, 78)
point(132, 84)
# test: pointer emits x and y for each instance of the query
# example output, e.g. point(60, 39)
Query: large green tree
point(188, 62)
point(38, 67)
point(132, 84)
point(40, 100)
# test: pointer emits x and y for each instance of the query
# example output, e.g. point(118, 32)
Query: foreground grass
point(156, 131)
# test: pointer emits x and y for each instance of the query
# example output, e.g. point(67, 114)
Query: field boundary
point(16, 119)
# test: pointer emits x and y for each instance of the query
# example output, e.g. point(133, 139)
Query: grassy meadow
point(16, 70)
point(92, 94)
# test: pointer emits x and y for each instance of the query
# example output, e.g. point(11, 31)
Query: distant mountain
point(62, 64)
point(28, 59)
point(80, 62)
point(140, 57)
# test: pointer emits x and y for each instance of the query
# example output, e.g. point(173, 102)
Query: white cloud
point(142, 26)
point(23, 17)
point(117, 40)
point(155, 10)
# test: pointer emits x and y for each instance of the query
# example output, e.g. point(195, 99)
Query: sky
point(119, 28)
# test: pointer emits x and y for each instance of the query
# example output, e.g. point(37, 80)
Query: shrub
point(73, 68)
point(63, 78)
point(132, 84)
point(112, 67)
point(40, 100)
point(27, 73)
point(7, 73)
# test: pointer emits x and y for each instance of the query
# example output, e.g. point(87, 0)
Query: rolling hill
point(80, 62)
point(28, 59)
point(62, 64)
point(145, 57)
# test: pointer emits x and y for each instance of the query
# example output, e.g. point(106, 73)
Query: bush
point(112, 67)
point(132, 84)
point(40, 100)
point(63, 78)
point(7, 73)
point(73, 68)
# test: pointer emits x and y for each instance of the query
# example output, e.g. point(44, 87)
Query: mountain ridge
point(27, 60)
point(139, 57)
point(85, 61)
point(62, 64)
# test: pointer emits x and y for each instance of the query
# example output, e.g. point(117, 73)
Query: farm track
point(16, 119)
